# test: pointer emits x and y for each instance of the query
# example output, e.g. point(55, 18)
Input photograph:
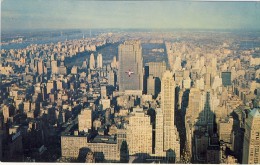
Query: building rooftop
point(104, 139)
point(255, 112)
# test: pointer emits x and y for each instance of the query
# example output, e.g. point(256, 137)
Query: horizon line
point(130, 28)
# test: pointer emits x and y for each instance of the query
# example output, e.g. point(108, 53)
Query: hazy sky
point(63, 14)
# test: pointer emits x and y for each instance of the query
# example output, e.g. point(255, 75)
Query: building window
point(257, 135)
point(256, 150)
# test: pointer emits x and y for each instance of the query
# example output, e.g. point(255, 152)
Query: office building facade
point(130, 60)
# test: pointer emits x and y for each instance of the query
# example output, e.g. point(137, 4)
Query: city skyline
point(66, 101)
point(99, 81)
point(129, 14)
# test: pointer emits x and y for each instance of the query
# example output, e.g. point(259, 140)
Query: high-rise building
point(177, 63)
point(159, 133)
point(50, 86)
point(195, 106)
point(139, 133)
point(27, 106)
point(151, 85)
point(54, 67)
point(107, 115)
point(85, 120)
point(62, 69)
point(217, 82)
point(226, 78)
point(60, 85)
point(225, 127)
point(105, 103)
point(251, 154)
point(74, 70)
point(99, 61)
point(130, 66)
point(167, 104)
point(40, 67)
point(92, 61)
point(6, 113)
point(114, 63)
point(111, 77)
point(214, 65)
point(157, 69)
point(103, 91)
point(186, 83)
point(104, 147)
point(170, 137)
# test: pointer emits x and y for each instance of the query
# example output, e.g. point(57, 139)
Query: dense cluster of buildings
point(199, 106)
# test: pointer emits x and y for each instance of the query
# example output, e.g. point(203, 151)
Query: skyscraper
point(99, 61)
point(54, 67)
point(170, 142)
point(85, 120)
point(177, 63)
point(151, 85)
point(114, 63)
point(62, 68)
point(157, 69)
point(251, 154)
point(111, 77)
point(130, 60)
point(226, 78)
point(214, 65)
point(139, 133)
point(167, 104)
point(92, 61)
point(159, 133)
point(40, 67)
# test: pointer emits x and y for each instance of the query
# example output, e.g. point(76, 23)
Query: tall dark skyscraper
point(226, 78)
point(130, 66)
